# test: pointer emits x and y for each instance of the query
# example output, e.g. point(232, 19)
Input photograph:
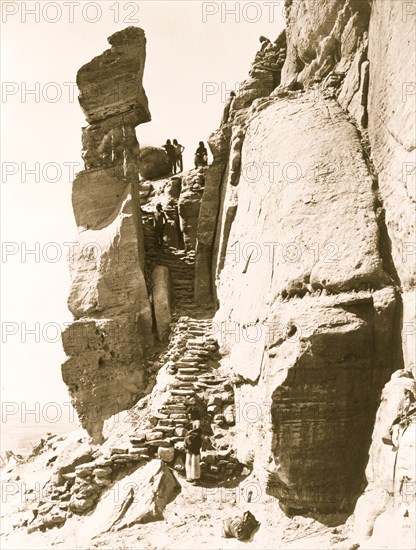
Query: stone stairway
point(191, 379)
point(188, 377)
point(181, 267)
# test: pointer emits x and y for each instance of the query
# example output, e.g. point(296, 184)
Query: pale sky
point(192, 46)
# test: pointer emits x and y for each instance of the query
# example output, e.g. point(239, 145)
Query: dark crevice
point(217, 229)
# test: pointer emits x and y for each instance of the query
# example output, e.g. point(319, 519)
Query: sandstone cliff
point(279, 309)
point(304, 243)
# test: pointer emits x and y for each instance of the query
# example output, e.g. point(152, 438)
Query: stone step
point(167, 430)
point(176, 402)
point(173, 410)
point(189, 370)
point(179, 416)
point(138, 440)
point(181, 386)
point(189, 358)
point(150, 436)
point(167, 422)
point(160, 443)
point(190, 352)
point(203, 385)
point(189, 363)
point(140, 449)
point(198, 348)
point(211, 382)
point(182, 392)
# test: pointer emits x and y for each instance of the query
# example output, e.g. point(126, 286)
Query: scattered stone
point(118, 450)
point(151, 436)
point(160, 443)
point(102, 472)
point(81, 505)
point(167, 454)
point(102, 482)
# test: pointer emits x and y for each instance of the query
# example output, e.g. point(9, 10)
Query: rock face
point(314, 231)
point(108, 296)
point(392, 134)
point(301, 233)
point(111, 84)
point(189, 204)
point(390, 471)
point(161, 301)
point(304, 242)
point(225, 145)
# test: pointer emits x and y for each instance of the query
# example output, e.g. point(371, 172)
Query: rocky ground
point(337, 373)
point(192, 520)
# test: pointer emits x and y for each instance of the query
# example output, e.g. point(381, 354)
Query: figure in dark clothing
point(201, 155)
point(179, 149)
point(227, 108)
point(264, 43)
point(193, 444)
point(160, 221)
point(195, 418)
point(170, 150)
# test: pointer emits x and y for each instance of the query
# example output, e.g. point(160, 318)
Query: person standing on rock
point(160, 221)
point(201, 155)
point(179, 149)
point(265, 43)
point(170, 150)
point(193, 444)
point(227, 108)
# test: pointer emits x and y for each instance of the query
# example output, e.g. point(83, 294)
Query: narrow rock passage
point(181, 267)
point(189, 375)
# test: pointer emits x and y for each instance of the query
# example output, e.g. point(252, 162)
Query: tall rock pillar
point(108, 297)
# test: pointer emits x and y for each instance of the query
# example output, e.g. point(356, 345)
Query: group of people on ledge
point(174, 152)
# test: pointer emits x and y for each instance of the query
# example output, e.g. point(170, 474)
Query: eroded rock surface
point(305, 216)
point(302, 230)
point(111, 84)
point(108, 297)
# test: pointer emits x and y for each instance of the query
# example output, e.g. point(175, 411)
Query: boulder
point(167, 454)
point(154, 163)
point(141, 498)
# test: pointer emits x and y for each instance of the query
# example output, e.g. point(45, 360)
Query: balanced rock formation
point(108, 298)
